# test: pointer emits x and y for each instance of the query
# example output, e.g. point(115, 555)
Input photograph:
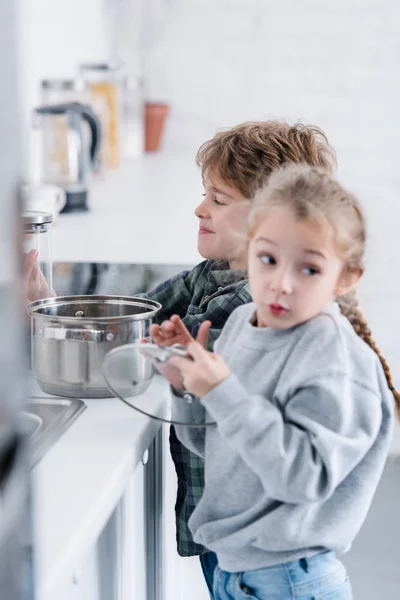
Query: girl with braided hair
point(301, 398)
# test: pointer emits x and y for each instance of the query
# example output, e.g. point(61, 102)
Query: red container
point(155, 115)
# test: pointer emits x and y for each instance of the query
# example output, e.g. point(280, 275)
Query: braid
point(349, 309)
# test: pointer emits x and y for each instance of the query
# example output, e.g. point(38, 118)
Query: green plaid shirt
point(211, 291)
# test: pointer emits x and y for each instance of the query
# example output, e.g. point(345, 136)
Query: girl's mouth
point(277, 309)
point(203, 230)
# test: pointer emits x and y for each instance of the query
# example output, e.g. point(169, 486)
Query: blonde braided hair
point(349, 309)
point(314, 194)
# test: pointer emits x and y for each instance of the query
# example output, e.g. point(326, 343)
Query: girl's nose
point(281, 282)
point(201, 211)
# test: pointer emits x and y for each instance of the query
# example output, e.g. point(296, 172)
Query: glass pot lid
point(127, 368)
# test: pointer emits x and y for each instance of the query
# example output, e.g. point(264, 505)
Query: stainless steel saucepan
point(72, 334)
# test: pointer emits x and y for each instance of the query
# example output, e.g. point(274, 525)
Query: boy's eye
point(215, 200)
point(267, 259)
point(310, 270)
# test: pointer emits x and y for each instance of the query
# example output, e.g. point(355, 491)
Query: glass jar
point(36, 229)
point(58, 135)
point(105, 85)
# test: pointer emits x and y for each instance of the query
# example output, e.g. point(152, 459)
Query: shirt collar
point(223, 275)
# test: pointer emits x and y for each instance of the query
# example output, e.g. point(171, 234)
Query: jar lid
point(63, 85)
point(58, 84)
point(32, 217)
point(101, 72)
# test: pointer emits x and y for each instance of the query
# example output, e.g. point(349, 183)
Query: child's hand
point(174, 331)
point(204, 372)
point(34, 282)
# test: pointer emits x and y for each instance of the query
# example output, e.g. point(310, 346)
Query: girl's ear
point(347, 281)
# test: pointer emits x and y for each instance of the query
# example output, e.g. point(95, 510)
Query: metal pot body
point(72, 334)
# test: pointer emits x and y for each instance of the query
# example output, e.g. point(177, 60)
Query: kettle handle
point(95, 129)
point(87, 114)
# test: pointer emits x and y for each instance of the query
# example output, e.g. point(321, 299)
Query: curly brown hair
point(246, 155)
point(313, 193)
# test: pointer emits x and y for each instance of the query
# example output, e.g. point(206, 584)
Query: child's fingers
point(180, 327)
point(168, 328)
point(162, 337)
point(197, 351)
point(171, 331)
point(154, 330)
point(172, 375)
point(157, 336)
point(29, 264)
point(180, 363)
point(203, 333)
point(35, 272)
point(30, 258)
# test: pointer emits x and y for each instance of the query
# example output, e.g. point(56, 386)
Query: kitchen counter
point(142, 212)
point(79, 481)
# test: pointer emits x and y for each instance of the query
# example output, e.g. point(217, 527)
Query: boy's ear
point(347, 281)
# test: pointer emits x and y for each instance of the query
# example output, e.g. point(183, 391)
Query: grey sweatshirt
point(304, 423)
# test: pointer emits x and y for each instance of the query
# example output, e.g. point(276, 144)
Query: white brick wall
point(333, 63)
point(57, 36)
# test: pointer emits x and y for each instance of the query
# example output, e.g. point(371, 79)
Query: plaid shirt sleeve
point(185, 295)
point(217, 311)
point(178, 296)
point(175, 294)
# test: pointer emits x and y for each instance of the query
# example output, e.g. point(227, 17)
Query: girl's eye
point(310, 271)
point(267, 259)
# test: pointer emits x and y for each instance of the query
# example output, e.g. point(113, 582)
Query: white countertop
point(142, 212)
point(80, 479)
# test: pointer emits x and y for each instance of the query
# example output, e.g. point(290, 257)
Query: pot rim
point(34, 307)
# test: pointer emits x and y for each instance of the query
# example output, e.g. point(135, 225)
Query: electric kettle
point(69, 145)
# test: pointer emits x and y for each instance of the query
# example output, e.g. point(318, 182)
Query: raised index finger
point(180, 327)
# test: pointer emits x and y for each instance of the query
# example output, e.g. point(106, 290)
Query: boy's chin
point(210, 256)
point(207, 253)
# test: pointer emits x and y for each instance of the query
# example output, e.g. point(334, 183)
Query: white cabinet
point(132, 517)
point(115, 568)
point(84, 583)
point(182, 577)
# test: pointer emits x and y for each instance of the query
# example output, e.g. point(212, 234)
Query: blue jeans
point(208, 563)
point(320, 577)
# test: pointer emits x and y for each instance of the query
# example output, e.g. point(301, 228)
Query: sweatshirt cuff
point(225, 398)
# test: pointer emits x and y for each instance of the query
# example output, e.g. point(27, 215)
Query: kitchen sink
point(44, 420)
